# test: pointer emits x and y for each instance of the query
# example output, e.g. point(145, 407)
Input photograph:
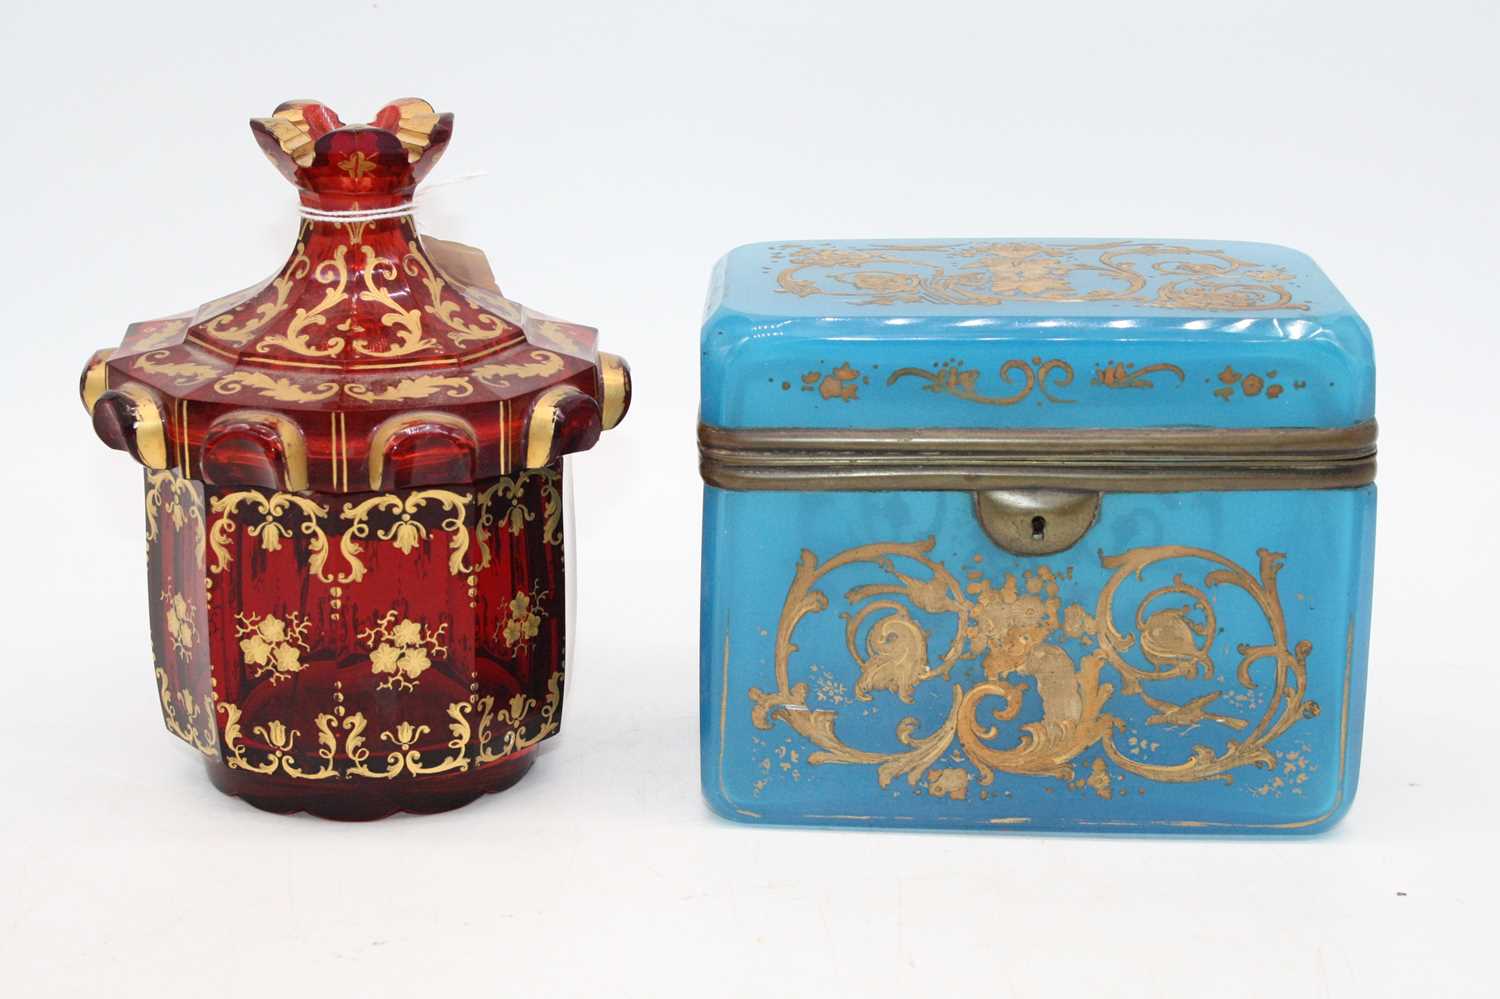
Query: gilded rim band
point(542, 429)
point(616, 382)
point(96, 378)
point(405, 421)
point(1165, 459)
point(150, 429)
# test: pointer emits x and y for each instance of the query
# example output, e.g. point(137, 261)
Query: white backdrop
point(628, 145)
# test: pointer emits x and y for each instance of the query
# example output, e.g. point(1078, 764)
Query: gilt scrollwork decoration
point(406, 530)
point(502, 374)
point(412, 388)
point(405, 323)
point(1124, 375)
point(188, 718)
point(280, 742)
point(333, 274)
point(180, 500)
point(279, 514)
point(278, 388)
point(183, 374)
point(405, 520)
point(552, 509)
point(344, 748)
point(342, 736)
point(503, 506)
point(1158, 275)
point(507, 496)
point(461, 332)
point(223, 327)
point(512, 736)
point(402, 755)
point(1036, 375)
point(152, 335)
point(1048, 671)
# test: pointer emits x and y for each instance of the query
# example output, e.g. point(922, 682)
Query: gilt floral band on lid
point(355, 494)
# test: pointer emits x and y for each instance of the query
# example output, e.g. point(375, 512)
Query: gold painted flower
point(256, 649)
point(414, 662)
point(1077, 622)
point(516, 515)
point(1012, 623)
point(287, 659)
point(271, 534)
point(272, 629)
point(843, 383)
point(383, 658)
point(406, 734)
point(1023, 269)
point(524, 621)
point(521, 629)
point(884, 281)
point(179, 622)
point(358, 165)
point(277, 735)
point(1029, 277)
point(408, 632)
point(959, 381)
point(273, 645)
point(402, 650)
point(407, 535)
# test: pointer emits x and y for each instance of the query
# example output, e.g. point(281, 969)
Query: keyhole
point(1038, 528)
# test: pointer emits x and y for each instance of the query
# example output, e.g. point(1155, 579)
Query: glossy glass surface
point(1194, 662)
point(972, 333)
point(354, 494)
point(939, 681)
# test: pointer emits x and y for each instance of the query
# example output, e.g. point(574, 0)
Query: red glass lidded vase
point(355, 496)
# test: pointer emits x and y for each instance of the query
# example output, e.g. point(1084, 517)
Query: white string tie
point(396, 211)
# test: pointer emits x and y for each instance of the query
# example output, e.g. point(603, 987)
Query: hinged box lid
point(976, 333)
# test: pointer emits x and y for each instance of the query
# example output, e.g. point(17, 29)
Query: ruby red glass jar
point(355, 494)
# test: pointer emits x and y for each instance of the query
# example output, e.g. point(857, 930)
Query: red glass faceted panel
point(302, 638)
point(354, 494)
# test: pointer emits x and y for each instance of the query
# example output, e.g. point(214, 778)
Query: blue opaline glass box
point(1034, 534)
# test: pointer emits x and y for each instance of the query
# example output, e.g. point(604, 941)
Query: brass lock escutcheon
point(1036, 521)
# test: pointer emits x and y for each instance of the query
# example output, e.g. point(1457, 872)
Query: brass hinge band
point(1166, 459)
